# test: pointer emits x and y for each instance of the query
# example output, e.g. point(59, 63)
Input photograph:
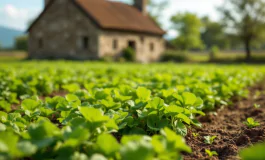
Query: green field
point(91, 110)
point(227, 56)
point(194, 57)
point(12, 55)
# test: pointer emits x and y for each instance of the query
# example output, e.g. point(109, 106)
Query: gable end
point(75, 4)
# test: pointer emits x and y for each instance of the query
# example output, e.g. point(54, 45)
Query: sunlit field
point(125, 110)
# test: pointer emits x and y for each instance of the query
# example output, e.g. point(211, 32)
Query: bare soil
point(232, 134)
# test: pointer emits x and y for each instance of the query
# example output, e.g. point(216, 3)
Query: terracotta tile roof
point(115, 16)
point(120, 16)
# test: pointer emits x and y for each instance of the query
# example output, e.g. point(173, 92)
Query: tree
point(213, 34)
point(188, 25)
point(246, 19)
point(21, 43)
point(156, 10)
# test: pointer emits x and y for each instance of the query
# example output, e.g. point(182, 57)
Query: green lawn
point(12, 55)
point(195, 57)
point(225, 56)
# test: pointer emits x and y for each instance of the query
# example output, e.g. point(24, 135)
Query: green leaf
point(251, 123)
point(76, 136)
point(53, 102)
point(101, 94)
point(29, 104)
point(158, 143)
point(130, 138)
point(3, 117)
point(209, 139)
point(196, 123)
point(3, 147)
point(73, 100)
point(13, 116)
point(255, 152)
point(184, 118)
point(198, 112)
point(42, 133)
point(177, 141)
point(8, 143)
point(27, 148)
point(71, 87)
point(98, 157)
point(46, 112)
point(107, 144)
point(189, 98)
point(181, 129)
point(78, 156)
point(143, 93)
point(111, 104)
point(137, 131)
point(173, 110)
point(93, 115)
point(154, 123)
point(79, 133)
point(198, 104)
point(156, 103)
point(139, 149)
point(211, 153)
point(5, 105)
point(111, 125)
point(2, 127)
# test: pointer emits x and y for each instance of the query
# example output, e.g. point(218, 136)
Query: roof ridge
point(113, 15)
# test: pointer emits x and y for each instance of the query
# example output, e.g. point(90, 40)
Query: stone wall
point(59, 32)
point(144, 51)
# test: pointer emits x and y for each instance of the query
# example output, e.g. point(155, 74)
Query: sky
point(17, 13)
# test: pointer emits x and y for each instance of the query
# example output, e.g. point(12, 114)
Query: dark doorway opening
point(132, 45)
point(85, 42)
point(40, 43)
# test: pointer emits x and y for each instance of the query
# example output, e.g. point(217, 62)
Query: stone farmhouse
point(92, 29)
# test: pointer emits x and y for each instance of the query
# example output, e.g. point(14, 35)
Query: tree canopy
point(156, 10)
point(188, 25)
point(246, 19)
point(213, 34)
point(21, 43)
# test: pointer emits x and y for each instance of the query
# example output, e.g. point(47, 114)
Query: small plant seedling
point(257, 94)
point(209, 139)
point(251, 123)
point(195, 134)
point(257, 105)
point(211, 153)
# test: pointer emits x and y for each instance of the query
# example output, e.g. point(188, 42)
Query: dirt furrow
point(228, 125)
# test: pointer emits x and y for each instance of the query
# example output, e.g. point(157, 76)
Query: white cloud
point(171, 34)
point(14, 17)
point(11, 11)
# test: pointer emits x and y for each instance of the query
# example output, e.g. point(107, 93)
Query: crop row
point(117, 112)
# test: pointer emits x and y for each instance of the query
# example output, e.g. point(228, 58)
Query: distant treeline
point(242, 27)
point(21, 43)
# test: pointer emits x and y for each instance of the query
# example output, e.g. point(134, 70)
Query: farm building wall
point(62, 32)
point(148, 48)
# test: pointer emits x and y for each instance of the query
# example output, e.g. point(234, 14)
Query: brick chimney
point(141, 5)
